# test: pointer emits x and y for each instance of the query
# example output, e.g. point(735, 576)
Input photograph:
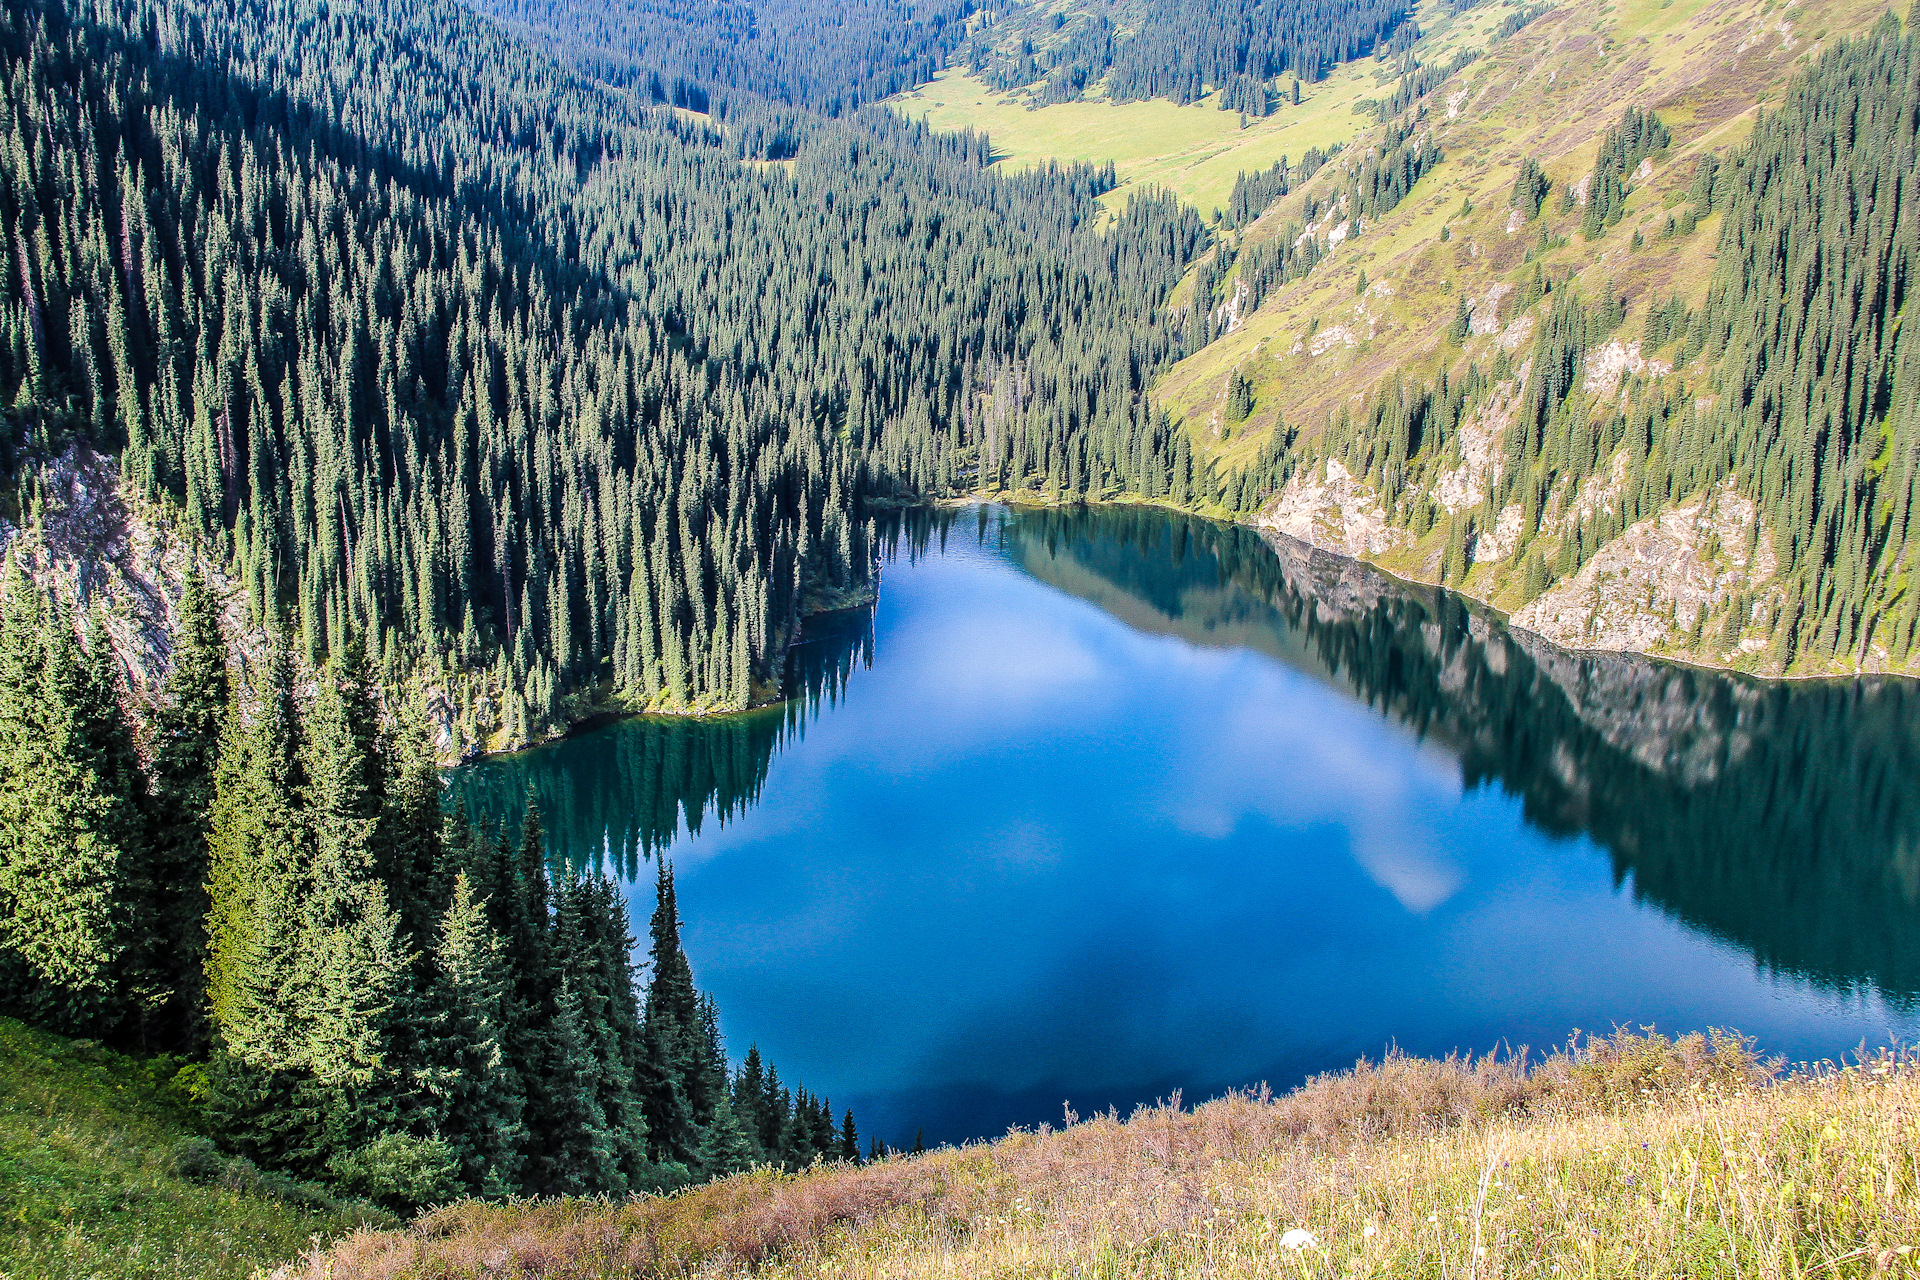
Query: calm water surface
point(1093, 807)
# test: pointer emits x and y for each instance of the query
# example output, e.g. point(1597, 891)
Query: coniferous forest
point(542, 402)
point(384, 996)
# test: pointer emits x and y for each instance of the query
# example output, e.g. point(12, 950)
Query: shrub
point(196, 1160)
point(400, 1171)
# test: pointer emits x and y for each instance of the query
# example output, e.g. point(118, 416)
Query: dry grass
point(1632, 1155)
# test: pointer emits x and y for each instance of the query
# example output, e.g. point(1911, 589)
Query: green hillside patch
point(1547, 92)
point(1194, 151)
point(104, 1173)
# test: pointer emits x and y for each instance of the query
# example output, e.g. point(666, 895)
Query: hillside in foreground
point(105, 1172)
point(1631, 1156)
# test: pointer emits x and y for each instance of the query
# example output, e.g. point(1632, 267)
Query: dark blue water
point(1093, 807)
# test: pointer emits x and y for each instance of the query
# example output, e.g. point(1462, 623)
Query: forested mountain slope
point(1247, 52)
point(831, 59)
point(553, 396)
point(1555, 319)
point(1627, 359)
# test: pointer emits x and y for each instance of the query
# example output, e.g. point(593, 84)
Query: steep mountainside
point(1590, 312)
point(1638, 381)
point(556, 396)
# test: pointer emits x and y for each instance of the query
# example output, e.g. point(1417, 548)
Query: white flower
point(1368, 1233)
point(1298, 1238)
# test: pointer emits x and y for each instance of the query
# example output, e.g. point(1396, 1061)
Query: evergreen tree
point(70, 826)
point(1239, 397)
point(527, 924)
point(258, 854)
point(412, 826)
point(479, 1093)
point(578, 1155)
point(350, 976)
point(670, 1052)
point(725, 1147)
point(849, 1139)
point(185, 728)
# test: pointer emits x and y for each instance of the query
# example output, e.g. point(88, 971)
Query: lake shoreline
point(1255, 523)
point(602, 714)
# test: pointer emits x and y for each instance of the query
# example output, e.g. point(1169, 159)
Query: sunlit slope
point(1195, 151)
point(1549, 92)
point(104, 1174)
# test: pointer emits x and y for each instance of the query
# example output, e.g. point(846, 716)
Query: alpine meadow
point(633, 635)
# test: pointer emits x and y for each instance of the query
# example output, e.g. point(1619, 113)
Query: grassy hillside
point(103, 1173)
point(1194, 151)
point(1633, 1156)
point(1548, 92)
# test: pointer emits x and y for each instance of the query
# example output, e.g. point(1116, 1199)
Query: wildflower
point(1298, 1238)
point(1369, 1232)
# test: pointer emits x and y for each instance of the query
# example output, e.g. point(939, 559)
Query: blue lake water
point(1095, 806)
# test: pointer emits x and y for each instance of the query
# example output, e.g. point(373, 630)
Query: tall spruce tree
point(71, 837)
point(350, 978)
point(578, 1155)
point(671, 1059)
point(479, 1093)
point(185, 729)
point(258, 855)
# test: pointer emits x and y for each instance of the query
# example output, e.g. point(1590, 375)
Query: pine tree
point(1462, 323)
point(411, 827)
point(725, 1147)
point(350, 975)
point(1239, 397)
point(671, 1059)
point(849, 1139)
point(522, 880)
point(750, 1102)
point(266, 1106)
point(69, 822)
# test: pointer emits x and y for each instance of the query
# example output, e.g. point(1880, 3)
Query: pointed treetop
point(670, 992)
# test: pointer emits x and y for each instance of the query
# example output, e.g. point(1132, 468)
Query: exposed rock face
point(1605, 367)
point(1484, 311)
point(1652, 586)
point(1479, 449)
point(1669, 586)
point(124, 563)
point(1333, 511)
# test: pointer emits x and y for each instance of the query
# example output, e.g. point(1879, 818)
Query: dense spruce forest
point(388, 997)
point(830, 59)
point(555, 401)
